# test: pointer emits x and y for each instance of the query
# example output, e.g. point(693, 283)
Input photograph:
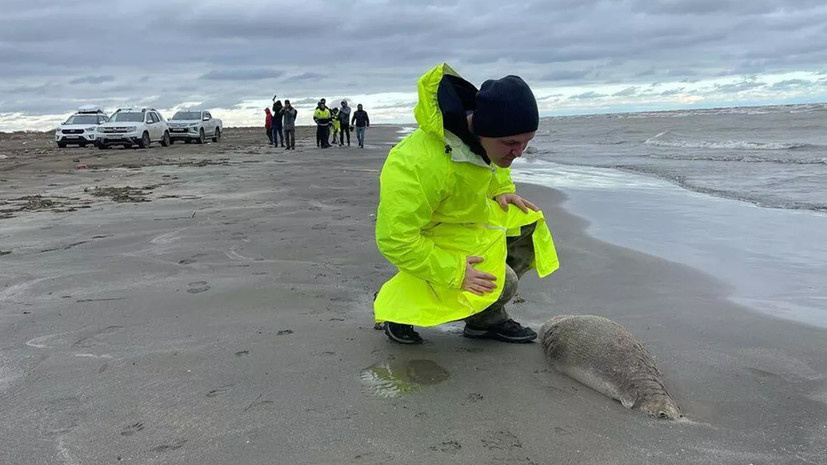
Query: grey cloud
point(304, 101)
point(243, 51)
point(241, 74)
point(587, 96)
point(791, 84)
point(32, 89)
point(627, 92)
point(120, 88)
point(564, 75)
point(670, 92)
point(738, 86)
point(407, 104)
point(309, 76)
point(220, 102)
point(680, 72)
point(92, 80)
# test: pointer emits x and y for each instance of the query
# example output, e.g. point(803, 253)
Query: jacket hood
point(267, 110)
point(445, 100)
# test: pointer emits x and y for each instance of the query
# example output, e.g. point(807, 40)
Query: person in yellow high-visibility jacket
point(321, 116)
point(449, 217)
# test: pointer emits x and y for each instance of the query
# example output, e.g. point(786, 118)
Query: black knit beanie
point(505, 107)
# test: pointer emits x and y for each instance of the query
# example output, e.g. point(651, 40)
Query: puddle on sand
point(394, 378)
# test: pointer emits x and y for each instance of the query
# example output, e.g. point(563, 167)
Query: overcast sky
point(579, 56)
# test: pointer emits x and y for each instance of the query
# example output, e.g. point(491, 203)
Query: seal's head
point(662, 407)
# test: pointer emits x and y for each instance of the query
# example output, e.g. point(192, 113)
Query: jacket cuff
point(506, 190)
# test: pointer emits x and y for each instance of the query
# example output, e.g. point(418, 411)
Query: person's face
point(344, 104)
point(504, 150)
point(358, 107)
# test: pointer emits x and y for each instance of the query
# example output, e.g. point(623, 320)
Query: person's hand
point(476, 281)
point(514, 199)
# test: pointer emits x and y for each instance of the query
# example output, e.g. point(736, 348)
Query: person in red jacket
point(268, 124)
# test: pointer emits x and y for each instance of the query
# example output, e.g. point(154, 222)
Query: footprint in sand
point(447, 447)
point(132, 429)
point(191, 260)
point(219, 391)
point(198, 287)
point(175, 445)
point(505, 448)
point(501, 440)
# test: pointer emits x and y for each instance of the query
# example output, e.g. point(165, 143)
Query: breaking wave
point(726, 145)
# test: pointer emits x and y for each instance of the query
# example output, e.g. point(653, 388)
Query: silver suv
point(81, 127)
point(132, 127)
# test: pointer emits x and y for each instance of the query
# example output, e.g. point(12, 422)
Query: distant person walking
point(322, 118)
point(268, 124)
point(289, 114)
point(344, 122)
point(360, 122)
point(278, 127)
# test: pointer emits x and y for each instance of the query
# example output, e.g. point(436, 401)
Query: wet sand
point(227, 319)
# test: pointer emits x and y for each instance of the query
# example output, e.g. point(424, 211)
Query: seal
point(607, 358)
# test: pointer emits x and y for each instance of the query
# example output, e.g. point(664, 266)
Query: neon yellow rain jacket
point(436, 208)
point(322, 117)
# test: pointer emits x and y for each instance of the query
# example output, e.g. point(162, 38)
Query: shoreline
point(230, 317)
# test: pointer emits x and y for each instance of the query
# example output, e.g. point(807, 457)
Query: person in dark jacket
point(361, 122)
point(278, 134)
point(344, 124)
point(289, 114)
point(268, 124)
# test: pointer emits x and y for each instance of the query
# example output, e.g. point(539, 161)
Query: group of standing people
point(340, 120)
point(280, 124)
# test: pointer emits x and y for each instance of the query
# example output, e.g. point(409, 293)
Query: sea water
point(739, 193)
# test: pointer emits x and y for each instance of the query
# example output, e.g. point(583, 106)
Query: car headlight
point(90, 129)
point(99, 129)
point(130, 128)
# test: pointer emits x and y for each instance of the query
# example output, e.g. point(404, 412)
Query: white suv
point(80, 128)
point(130, 127)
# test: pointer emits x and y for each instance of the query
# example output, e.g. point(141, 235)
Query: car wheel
point(171, 141)
point(102, 146)
point(165, 141)
point(145, 141)
point(217, 135)
point(201, 138)
point(61, 145)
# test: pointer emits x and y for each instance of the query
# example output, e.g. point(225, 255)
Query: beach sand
point(221, 313)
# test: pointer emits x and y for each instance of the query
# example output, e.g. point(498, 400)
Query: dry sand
point(219, 312)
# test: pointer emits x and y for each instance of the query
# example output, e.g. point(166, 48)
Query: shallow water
point(394, 378)
point(774, 259)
